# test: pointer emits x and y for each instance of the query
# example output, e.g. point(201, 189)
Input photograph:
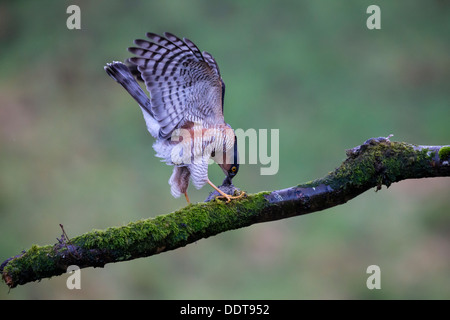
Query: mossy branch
point(375, 163)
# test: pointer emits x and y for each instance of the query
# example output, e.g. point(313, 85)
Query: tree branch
point(375, 163)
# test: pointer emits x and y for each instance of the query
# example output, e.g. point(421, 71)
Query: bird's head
point(231, 165)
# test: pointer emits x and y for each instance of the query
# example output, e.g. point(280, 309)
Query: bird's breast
point(195, 141)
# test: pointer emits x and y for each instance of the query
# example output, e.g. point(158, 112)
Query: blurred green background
point(74, 147)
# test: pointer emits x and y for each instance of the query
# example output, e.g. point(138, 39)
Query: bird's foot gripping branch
point(375, 163)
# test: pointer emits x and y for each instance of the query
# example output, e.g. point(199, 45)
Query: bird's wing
point(184, 83)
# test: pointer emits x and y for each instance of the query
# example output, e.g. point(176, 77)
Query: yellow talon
point(229, 197)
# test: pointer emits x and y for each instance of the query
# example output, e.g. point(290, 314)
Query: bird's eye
point(233, 169)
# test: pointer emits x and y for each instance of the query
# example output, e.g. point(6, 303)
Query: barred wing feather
point(184, 83)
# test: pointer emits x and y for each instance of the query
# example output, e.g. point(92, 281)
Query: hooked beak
point(227, 180)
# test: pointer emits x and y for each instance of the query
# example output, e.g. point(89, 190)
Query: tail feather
point(121, 74)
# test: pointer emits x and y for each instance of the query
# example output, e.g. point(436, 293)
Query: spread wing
point(184, 83)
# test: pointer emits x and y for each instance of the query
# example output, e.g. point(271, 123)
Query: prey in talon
point(229, 189)
point(184, 112)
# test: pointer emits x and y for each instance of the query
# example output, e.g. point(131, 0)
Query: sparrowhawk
point(185, 109)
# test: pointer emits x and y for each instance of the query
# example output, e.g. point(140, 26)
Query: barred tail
point(120, 73)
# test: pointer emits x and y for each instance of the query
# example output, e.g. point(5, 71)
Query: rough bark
point(375, 163)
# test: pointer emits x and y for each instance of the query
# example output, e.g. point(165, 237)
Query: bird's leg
point(223, 194)
point(220, 191)
point(187, 198)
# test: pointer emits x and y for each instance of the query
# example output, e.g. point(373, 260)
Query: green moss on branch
point(444, 153)
point(137, 239)
point(376, 162)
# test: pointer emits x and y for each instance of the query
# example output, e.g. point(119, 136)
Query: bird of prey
point(184, 112)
